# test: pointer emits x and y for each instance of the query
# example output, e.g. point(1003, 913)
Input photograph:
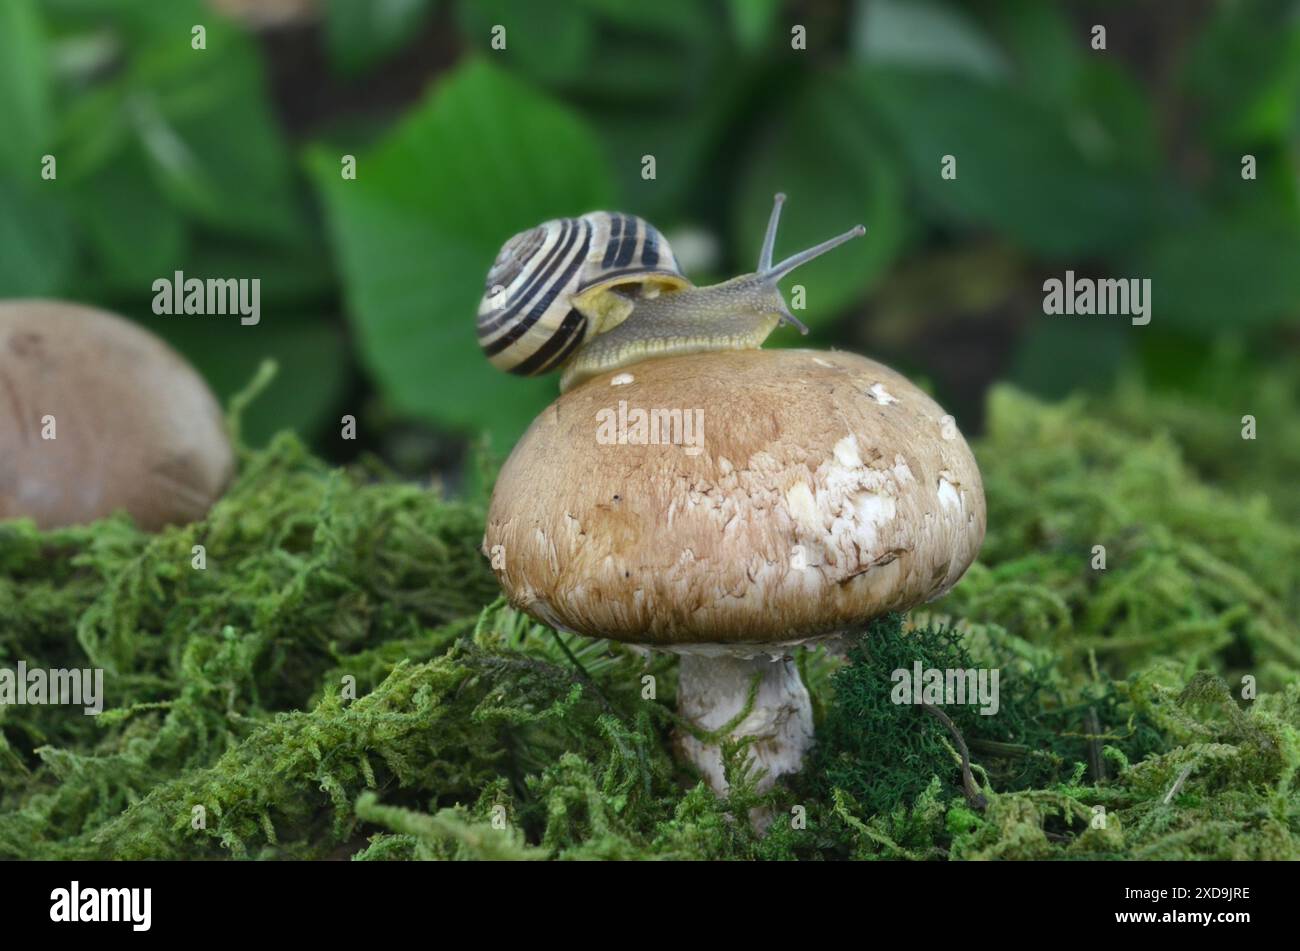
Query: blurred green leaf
point(169, 142)
point(827, 157)
point(1244, 72)
point(311, 353)
point(551, 42)
point(686, 139)
point(1018, 169)
point(1040, 39)
point(1271, 199)
point(138, 20)
point(1059, 355)
point(925, 34)
point(1173, 358)
point(37, 242)
point(129, 247)
point(602, 51)
point(93, 133)
point(206, 126)
point(1224, 274)
point(663, 19)
point(202, 121)
point(633, 70)
point(359, 33)
point(1111, 121)
point(418, 229)
point(1108, 114)
point(293, 276)
point(753, 21)
point(25, 89)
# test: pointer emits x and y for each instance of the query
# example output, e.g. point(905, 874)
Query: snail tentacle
point(769, 237)
point(775, 272)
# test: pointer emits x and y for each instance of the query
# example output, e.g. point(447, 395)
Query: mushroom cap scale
point(134, 426)
point(817, 490)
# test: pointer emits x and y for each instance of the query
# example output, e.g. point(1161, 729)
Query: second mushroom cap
point(99, 415)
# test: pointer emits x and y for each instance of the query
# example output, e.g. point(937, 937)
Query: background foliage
point(1123, 162)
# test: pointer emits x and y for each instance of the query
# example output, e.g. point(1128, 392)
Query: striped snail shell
point(554, 286)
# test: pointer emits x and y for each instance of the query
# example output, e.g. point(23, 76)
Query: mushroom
point(812, 492)
point(97, 415)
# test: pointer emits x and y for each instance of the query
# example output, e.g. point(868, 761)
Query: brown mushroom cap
point(828, 490)
point(136, 428)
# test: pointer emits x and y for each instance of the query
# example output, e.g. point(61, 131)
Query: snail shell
point(554, 286)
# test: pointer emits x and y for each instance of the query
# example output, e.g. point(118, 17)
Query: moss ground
point(340, 680)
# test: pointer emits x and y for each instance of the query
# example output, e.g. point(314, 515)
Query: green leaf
point(687, 140)
point(1107, 113)
point(630, 69)
point(202, 121)
point(359, 33)
point(753, 20)
point(925, 34)
point(294, 277)
point(130, 249)
point(1019, 169)
point(134, 19)
point(205, 124)
point(417, 230)
point(551, 42)
point(312, 355)
point(661, 19)
point(606, 51)
point(1040, 40)
point(25, 88)
point(1060, 355)
point(1224, 274)
point(1111, 119)
point(37, 246)
point(1244, 73)
point(827, 157)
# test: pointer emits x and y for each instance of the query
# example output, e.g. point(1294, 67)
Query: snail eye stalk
point(775, 272)
point(770, 274)
point(769, 238)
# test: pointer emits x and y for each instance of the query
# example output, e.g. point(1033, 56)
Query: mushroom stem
point(713, 692)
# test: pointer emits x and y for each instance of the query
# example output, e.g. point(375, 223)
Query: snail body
point(604, 291)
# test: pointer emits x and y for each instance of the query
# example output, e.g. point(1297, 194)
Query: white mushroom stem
point(713, 691)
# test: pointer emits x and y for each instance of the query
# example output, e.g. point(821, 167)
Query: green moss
point(1195, 571)
point(340, 681)
point(1038, 735)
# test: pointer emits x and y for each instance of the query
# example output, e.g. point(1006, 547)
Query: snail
point(603, 291)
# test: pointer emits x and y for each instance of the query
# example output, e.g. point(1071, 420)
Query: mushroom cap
point(135, 427)
point(826, 490)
